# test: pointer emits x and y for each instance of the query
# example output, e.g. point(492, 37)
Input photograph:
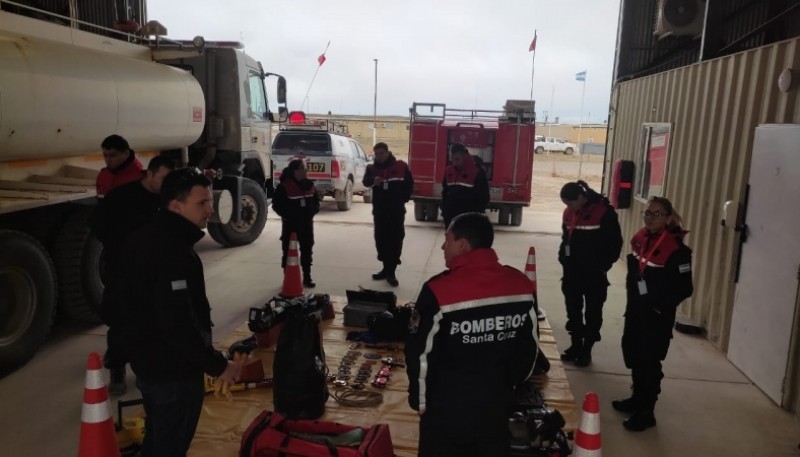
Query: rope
point(357, 398)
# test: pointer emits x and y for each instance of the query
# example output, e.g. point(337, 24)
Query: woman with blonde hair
point(659, 279)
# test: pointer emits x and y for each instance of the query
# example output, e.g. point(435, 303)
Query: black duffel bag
point(391, 325)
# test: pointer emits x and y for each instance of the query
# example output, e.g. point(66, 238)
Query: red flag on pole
point(532, 47)
point(321, 59)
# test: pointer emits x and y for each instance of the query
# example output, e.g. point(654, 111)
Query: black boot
point(584, 358)
point(390, 276)
point(118, 386)
point(640, 421)
point(308, 282)
point(627, 406)
point(381, 275)
point(571, 353)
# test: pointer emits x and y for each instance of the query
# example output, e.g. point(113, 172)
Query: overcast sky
point(467, 54)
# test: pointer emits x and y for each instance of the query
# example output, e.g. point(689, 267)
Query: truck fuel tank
point(61, 100)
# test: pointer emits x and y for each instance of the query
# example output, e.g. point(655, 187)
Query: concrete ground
point(707, 407)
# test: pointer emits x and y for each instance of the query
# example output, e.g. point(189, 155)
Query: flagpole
point(375, 107)
point(305, 99)
point(580, 128)
point(533, 60)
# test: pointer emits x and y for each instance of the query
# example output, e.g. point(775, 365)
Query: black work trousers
point(390, 231)
point(305, 240)
point(434, 441)
point(585, 293)
point(172, 410)
point(645, 342)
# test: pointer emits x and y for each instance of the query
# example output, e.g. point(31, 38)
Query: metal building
point(696, 83)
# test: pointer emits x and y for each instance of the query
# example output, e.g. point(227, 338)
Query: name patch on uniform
point(478, 331)
point(685, 268)
point(179, 284)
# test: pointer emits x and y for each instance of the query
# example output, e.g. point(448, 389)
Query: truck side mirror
point(283, 113)
point(281, 90)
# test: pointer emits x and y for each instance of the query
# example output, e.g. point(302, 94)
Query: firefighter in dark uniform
point(590, 244)
point(296, 202)
point(165, 316)
point(659, 279)
point(465, 188)
point(123, 210)
point(392, 184)
point(475, 341)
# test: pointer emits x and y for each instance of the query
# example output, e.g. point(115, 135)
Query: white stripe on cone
point(293, 244)
point(292, 261)
point(94, 379)
point(581, 452)
point(590, 423)
point(531, 259)
point(95, 413)
point(531, 275)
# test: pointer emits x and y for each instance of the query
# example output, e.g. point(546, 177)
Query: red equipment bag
point(272, 435)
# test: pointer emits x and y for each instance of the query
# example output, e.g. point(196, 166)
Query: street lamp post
point(375, 107)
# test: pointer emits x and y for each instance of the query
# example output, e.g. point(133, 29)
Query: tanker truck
point(68, 79)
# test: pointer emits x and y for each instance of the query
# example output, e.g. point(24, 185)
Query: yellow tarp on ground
point(223, 421)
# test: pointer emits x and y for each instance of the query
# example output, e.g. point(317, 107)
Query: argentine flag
point(580, 76)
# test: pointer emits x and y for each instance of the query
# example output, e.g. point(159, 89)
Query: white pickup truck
point(549, 143)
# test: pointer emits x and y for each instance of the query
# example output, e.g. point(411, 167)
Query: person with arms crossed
point(659, 279)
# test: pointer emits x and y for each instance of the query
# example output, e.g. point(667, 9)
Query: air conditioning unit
point(680, 18)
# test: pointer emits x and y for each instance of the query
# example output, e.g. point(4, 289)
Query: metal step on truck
point(72, 73)
point(501, 140)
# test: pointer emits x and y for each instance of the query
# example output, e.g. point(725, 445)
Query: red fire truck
point(502, 140)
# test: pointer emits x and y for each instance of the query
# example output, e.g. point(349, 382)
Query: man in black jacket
point(475, 341)
point(124, 210)
point(165, 317)
point(392, 184)
point(465, 187)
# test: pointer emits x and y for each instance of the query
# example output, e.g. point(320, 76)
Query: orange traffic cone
point(530, 272)
point(292, 281)
point(98, 438)
point(587, 438)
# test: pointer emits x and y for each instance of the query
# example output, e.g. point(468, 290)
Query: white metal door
point(766, 294)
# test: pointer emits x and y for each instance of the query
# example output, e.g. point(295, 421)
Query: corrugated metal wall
point(714, 108)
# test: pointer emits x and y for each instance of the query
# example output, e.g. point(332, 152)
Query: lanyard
point(645, 257)
point(573, 224)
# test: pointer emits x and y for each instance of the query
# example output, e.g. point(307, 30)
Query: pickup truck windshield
point(302, 143)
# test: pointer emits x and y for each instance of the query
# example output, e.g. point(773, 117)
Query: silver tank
point(59, 100)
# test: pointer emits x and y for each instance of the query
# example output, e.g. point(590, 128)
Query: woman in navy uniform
point(659, 279)
point(590, 245)
point(296, 202)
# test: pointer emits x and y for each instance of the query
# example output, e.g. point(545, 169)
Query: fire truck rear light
point(297, 118)
point(334, 169)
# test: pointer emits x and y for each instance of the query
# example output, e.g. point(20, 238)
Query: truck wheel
point(540, 150)
point(431, 212)
point(516, 216)
point(254, 217)
point(27, 298)
point(215, 231)
point(503, 215)
point(419, 211)
point(568, 151)
point(367, 196)
point(345, 198)
point(77, 255)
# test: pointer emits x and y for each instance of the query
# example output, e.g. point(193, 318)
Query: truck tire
point(27, 298)
point(516, 216)
point(540, 150)
point(344, 199)
point(568, 151)
point(215, 231)
point(367, 195)
point(77, 255)
point(419, 211)
point(431, 212)
point(254, 217)
point(503, 214)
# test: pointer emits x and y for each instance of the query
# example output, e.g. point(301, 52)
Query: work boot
point(584, 358)
point(627, 406)
point(118, 386)
point(308, 282)
point(640, 421)
point(571, 353)
point(392, 280)
point(381, 275)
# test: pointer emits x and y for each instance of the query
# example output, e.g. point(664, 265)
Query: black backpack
point(299, 372)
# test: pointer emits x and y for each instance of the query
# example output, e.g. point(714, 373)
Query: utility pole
point(375, 108)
